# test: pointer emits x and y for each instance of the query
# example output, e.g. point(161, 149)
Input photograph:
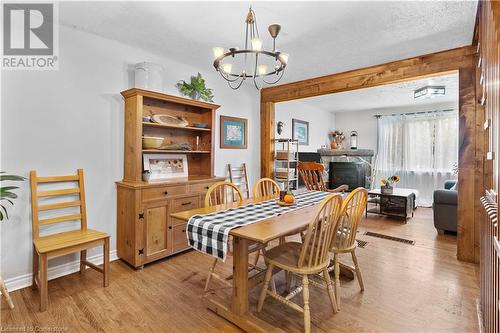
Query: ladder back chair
point(62, 243)
point(266, 187)
point(312, 175)
point(344, 240)
point(307, 258)
point(222, 193)
point(239, 177)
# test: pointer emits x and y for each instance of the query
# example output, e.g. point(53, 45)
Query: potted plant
point(6, 195)
point(196, 89)
point(387, 183)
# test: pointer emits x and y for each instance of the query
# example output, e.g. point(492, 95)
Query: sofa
point(445, 207)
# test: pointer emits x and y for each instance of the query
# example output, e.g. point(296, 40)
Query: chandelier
point(263, 67)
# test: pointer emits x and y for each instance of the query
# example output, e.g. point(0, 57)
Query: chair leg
point(43, 282)
point(257, 256)
point(329, 287)
point(307, 311)
point(5, 293)
point(83, 258)
point(263, 291)
point(336, 270)
point(358, 271)
point(288, 285)
point(105, 264)
point(210, 272)
point(35, 268)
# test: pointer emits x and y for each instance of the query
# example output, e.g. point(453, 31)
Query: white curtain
point(421, 148)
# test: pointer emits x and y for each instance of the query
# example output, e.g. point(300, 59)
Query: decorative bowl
point(151, 142)
point(165, 119)
point(200, 125)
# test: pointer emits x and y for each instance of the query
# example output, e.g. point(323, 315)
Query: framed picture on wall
point(300, 131)
point(166, 166)
point(233, 132)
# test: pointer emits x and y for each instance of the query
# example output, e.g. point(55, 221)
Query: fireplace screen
point(350, 173)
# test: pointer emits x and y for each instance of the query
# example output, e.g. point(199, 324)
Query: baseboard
point(23, 281)
point(479, 316)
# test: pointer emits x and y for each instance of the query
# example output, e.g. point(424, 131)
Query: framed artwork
point(233, 132)
point(166, 166)
point(300, 131)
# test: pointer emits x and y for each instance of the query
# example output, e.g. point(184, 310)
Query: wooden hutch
point(145, 230)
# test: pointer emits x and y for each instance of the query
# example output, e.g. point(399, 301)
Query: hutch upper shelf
point(140, 103)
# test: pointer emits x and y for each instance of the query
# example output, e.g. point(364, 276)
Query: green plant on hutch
point(196, 89)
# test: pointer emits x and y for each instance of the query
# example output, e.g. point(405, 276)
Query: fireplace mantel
point(346, 152)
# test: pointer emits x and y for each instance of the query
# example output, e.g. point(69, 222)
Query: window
point(422, 148)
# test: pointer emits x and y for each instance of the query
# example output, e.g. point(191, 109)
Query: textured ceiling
point(321, 37)
point(387, 96)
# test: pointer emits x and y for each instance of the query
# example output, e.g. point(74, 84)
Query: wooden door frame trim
point(462, 60)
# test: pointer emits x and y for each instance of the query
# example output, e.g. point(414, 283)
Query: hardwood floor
point(408, 288)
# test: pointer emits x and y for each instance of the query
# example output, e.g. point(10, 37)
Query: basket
point(282, 173)
point(284, 155)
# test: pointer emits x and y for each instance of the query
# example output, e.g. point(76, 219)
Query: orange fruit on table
point(289, 198)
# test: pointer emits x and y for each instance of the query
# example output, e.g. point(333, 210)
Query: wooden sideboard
point(145, 230)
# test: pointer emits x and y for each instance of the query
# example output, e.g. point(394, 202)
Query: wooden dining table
point(262, 232)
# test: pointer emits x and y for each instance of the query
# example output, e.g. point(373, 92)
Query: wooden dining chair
point(312, 175)
point(266, 187)
point(222, 193)
point(239, 177)
point(344, 240)
point(307, 258)
point(62, 243)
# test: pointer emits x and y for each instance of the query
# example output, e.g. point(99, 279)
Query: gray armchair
point(445, 207)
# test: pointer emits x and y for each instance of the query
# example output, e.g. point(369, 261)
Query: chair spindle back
point(352, 211)
point(312, 175)
point(320, 232)
point(266, 187)
point(222, 193)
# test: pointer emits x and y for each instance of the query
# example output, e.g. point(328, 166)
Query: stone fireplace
point(352, 167)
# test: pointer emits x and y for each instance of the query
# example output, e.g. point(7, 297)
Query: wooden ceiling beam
point(397, 71)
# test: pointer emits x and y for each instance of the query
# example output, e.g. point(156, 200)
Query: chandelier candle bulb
point(262, 69)
point(284, 57)
point(227, 68)
point(256, 44)
point(217, 51)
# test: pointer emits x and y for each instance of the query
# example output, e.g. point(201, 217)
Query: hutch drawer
point(199, 187)
point(186, 203)
point(160, 193)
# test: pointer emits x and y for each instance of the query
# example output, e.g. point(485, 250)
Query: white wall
point(320, 122)
point(365, 123)
point(58, 121)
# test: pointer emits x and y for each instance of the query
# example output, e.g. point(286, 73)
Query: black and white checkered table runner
point(209, 233)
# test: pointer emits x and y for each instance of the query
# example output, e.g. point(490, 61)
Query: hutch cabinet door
point(157, 233)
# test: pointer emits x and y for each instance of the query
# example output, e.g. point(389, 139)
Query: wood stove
point(350, 173)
